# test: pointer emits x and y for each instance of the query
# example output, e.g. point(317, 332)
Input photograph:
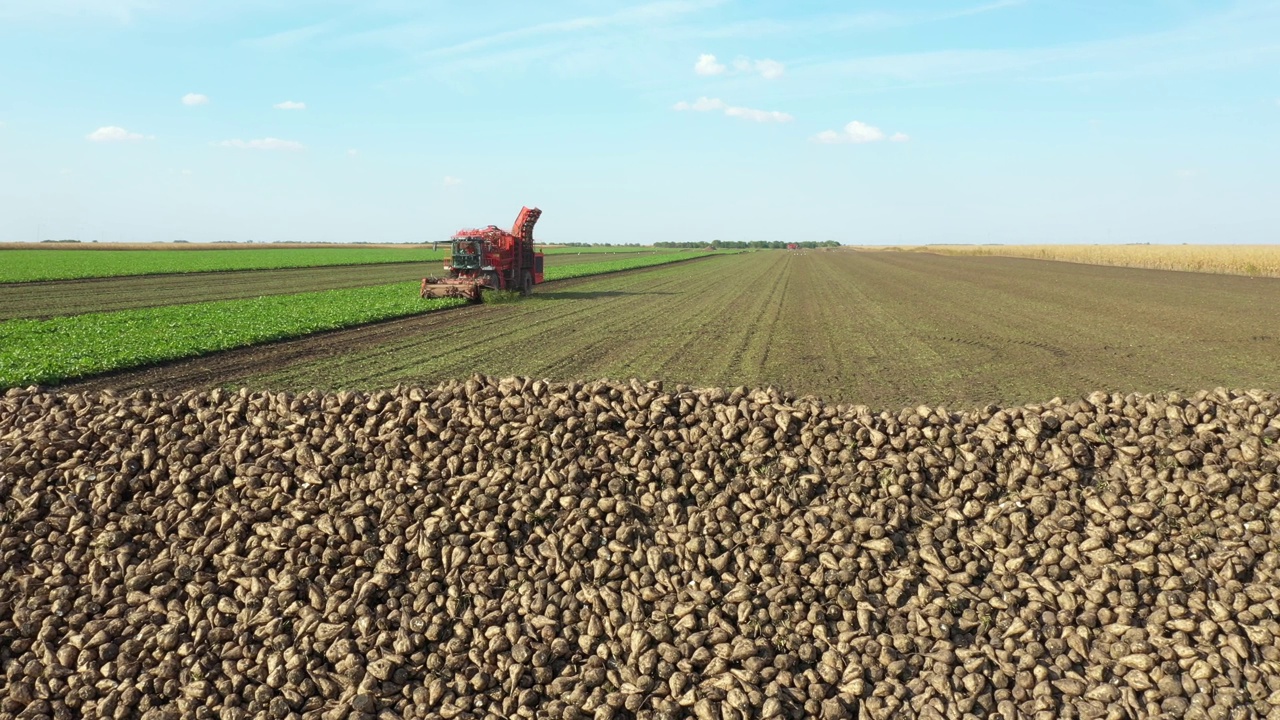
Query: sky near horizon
point(909, 122)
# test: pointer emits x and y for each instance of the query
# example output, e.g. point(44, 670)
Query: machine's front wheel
point(526, 284)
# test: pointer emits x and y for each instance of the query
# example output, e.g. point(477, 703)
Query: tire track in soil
point(631, 323)
point(714, 329)
point(526, 328)
point(775, 305)
point(459, 348)
point(628, 320)
point(819, 304)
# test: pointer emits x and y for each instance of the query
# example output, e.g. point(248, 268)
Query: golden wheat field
point(1253, 260)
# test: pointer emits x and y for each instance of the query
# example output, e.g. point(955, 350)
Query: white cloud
point(352, 152)
point(111, 133)
point(704, 104)
point(770, 69)
point(192, 99)
point(450, 181)
point(758, 115)
point(264, 144)
point(290, 105)
point(859, 133)
point(1187, 173)
point(707, 65)
point(767, 69)
point(186, 172)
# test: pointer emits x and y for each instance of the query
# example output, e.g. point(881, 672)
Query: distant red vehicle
point(793, 246)
point(490, 258)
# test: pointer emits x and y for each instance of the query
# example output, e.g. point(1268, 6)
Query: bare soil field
point(73, 297)
point(882, 329)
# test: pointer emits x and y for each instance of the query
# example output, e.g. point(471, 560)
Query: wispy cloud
point(704, 104)
point(264, 144)
point(112, 133)
point(293, 37)
point(121, 11)
point(858, 133)
point(707, 65)
point(290, 105)
point(865, 21)
point(192, 99)
point(450, 181)
point(1236, 38)
point(353, 152)
point(768, 69)
point(650, 13)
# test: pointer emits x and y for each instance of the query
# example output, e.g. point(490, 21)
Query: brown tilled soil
point(73, 297)
point(884, 329)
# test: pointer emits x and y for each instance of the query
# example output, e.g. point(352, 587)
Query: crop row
point(49, 351)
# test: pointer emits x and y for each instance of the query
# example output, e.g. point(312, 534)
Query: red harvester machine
point(490, 258)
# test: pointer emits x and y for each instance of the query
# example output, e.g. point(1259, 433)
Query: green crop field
point(42, 351)
point(31, 265)
point(52, 350)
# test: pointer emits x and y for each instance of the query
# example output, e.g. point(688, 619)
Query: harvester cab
point(466, 255)
point(490, 258)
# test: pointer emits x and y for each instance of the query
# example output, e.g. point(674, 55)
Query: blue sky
point(1017, 121)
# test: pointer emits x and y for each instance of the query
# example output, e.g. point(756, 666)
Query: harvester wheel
point(526, 284)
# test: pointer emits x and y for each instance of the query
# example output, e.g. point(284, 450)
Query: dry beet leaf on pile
point(519, 548)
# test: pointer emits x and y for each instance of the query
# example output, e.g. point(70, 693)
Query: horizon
point(978, 122)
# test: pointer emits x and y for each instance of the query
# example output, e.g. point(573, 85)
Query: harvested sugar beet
point(520, 548)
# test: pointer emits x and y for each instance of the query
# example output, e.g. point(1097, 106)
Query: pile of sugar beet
point(498, 548)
